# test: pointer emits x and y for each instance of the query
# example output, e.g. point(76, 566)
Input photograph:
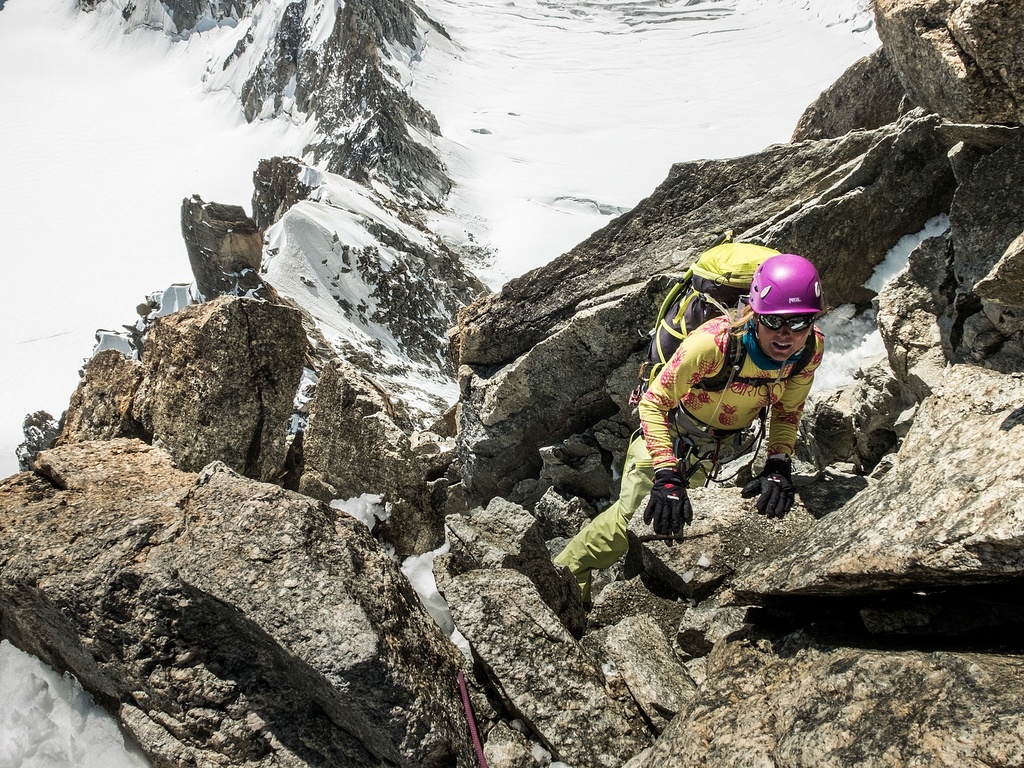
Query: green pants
point(603, 541)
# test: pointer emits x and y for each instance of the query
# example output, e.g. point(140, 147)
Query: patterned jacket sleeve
point(789, 408)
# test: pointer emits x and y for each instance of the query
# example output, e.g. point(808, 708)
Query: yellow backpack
point(717, 283)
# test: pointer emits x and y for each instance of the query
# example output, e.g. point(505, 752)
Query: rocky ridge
point(333, 65)
point(228, 621)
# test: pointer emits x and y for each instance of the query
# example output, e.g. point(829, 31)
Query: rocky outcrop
point(380, 288)
point(278, 184)
point(377, 123)
point(543, 675)
point(218, 383)
point(983, 225)
point(505, 535)
point(909, 312)
point(961, 59)
point(175, 17)
point(725, 538)
point(225, 248)
point(41, 431)
point(948, 513)
point(225, 621)
point(369, 129)
point(867, 96)
point(1004, 284)
point(355, 444)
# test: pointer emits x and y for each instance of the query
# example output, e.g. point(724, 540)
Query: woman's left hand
point(775, 486)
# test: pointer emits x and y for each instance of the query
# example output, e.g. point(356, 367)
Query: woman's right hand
point(669, 507)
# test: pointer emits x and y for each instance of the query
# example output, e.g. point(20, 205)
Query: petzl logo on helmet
point(794, 300)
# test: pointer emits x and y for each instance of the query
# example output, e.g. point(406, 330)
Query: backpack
point(717, 283)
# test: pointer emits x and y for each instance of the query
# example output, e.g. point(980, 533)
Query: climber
point(714, 387)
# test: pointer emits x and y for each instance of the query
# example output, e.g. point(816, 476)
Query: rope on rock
point(478, 747)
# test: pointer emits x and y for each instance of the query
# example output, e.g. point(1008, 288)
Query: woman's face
point(782, 344)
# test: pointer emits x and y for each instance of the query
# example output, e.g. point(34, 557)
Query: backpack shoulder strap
point(806, 355)
point(735, 354)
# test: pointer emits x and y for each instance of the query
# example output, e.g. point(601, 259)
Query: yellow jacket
point(701, 355)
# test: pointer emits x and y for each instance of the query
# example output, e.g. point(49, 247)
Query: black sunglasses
point(795, 322)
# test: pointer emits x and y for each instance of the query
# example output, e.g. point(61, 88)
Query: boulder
point(987, 213)
point(986, 217)
point(278, 184)
point(542, 673)
point(1004, 284)
point(827, 424)
point(508, 748)
point(868, 95)
point(637, 652)
point(101, 405)
point(554, 391)
point(710, 622)
point(877, 401)
point(225, 248)
point(217, 383)
point(358, 440)
point(637, 596)
point(949, 513)
point(577, 467)
point(222, 620)
point(559, 517)
point(505, 535)
point(813, 705)
point(41, 431)
point(910, 308)
point(962, 59)
point(725, 536)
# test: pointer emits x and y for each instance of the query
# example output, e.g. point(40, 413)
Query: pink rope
point(477, 745)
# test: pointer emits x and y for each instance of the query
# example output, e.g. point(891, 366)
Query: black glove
point(775, 484)
point(668, 508)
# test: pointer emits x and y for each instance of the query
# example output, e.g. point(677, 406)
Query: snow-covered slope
point(382, 291)
point(556, 116)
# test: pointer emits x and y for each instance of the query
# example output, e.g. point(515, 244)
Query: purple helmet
point(786, 284)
